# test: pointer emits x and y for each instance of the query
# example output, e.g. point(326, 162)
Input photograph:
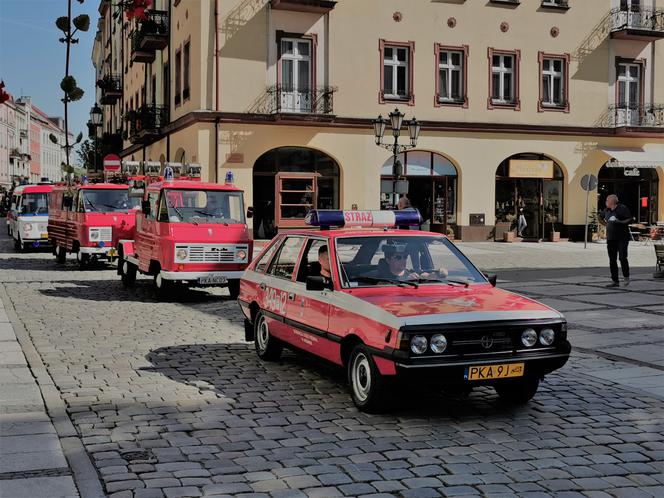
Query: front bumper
point(190, 276)
point(99, 251)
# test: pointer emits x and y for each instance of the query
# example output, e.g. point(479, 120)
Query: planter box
point(554, 236)
point(501, 227)
point(509, 236)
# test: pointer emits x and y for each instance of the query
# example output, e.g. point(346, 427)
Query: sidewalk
point(32, 462)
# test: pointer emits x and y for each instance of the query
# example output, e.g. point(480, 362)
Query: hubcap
point(361, 377)
point(263, 335)
point(125, 268)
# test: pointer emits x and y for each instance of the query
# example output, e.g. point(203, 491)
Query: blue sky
point(32, 60)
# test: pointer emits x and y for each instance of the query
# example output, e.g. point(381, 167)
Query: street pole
point(585, 236)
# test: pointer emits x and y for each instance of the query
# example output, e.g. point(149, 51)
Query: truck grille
point(214, 253)
point(106, 234)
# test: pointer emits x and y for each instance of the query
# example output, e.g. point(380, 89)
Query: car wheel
point(60, 255)
point(83, 260)
point(128, 274)
point(367, 385)
point(267, 347)
point(234, 288)
point(517, 392)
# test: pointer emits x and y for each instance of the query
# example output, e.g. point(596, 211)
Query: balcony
point(555, 4)
point(314, 6)
point(150, 35)
point(15, 153)
point(111, 89)
point(146, 122)
point(112, 142)
point(280, 100)
point(647, 116)
point(642, 24)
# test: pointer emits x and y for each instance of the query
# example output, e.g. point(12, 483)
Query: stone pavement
point(168, 401)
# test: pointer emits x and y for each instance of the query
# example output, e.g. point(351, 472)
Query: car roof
point(362, 232)
point(104, 186)
point(33, 189)
point(192, 185)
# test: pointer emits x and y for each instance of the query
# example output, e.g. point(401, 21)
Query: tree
point(91, 154)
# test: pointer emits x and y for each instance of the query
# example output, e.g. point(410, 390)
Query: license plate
point(44, 236)
point(488, 372)
point(212, 279)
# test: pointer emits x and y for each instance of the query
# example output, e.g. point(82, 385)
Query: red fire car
point(394, 304)
point(189, 233)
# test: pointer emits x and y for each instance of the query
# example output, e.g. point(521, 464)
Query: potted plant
point(553, 235)
point(509, 235)
point(450, 233)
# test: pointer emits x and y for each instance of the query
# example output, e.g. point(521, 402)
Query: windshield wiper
point(448, 281)
point(91, 205)
point(395, 281)
point(207, 213)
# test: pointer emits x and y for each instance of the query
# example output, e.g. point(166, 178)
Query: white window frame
point(552, 74)
point(503, 71)
point(395, 63)
point(297, 58)
point(628, 80)
point(450, 68)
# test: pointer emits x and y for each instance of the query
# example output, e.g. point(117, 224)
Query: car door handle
point(262, 286)
point(291, 296)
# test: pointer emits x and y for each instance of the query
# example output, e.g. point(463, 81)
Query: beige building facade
point(517, 101)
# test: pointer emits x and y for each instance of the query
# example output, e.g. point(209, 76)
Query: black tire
point(19, 245)
point(128, 273)
point(83, 260)
point(234, 288)
point(368, 387)
point(163, 288)
point(267, 347)
point(60, 255)
point(517, 392)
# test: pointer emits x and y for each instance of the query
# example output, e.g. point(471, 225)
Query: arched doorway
point(635, 187)
point(432, 187)
point(180, 156)
point(531, 184)
point(287, 183)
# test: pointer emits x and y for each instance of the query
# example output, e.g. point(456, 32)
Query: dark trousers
point(618, 249)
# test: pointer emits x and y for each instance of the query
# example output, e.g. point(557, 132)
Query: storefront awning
point(633, 158)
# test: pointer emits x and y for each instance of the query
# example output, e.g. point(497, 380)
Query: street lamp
point(96, 121)
point(396, 122)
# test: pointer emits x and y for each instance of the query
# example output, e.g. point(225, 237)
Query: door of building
point(296, 194)
point(529, 199)
point(629, 94)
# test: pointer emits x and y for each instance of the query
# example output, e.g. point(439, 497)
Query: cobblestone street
point(168, 400)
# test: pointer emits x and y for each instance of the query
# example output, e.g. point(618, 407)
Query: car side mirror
point(250, 212)
point(145, 207)
point(318, 283)
point(68, 202)
point(493, 279)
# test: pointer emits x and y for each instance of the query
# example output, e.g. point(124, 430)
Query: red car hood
point(441, 304)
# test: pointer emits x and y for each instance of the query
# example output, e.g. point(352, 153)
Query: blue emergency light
point(229, 178)
point(326, 218)
point(168, 174)
point(84, 180)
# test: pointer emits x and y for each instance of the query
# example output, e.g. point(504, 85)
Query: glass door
point(529, 202)
point(296, 75)
point(296, 195)
point(629, 90)
point(441, 205)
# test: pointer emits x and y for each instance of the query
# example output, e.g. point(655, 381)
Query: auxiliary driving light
point(438, 343)
point(27, 227)
point(181, 254)
point(418, 344)
point(546, 337)
point(529, 338)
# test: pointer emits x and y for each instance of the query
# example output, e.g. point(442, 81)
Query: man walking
point(617, 217)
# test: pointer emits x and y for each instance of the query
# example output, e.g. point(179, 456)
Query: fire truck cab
point(29, 216)
point(89, 219)
point(188, 233)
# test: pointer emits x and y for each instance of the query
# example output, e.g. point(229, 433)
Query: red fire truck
point(188, 233)
point(88, 219)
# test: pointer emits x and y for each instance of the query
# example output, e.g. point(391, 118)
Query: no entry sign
point(112, 162)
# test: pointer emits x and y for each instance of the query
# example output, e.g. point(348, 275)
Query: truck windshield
point(203, 206)
point(34, 204)
point(108, 201)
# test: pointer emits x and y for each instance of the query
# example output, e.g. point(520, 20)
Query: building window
point(504, 79)
point(554, 82)
point(397, 71)
point(561, 4)
point(296, 74)
point(178, 77)
point(451, 80)
point(629, 92)
point(186, 75)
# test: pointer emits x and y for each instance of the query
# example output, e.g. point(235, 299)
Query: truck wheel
point(163, 288)
point(517, 392)
point(234, 288)
point(60, 255)
point(83, 260)
point(268, 348)
point(368, 387)
point(128, 273)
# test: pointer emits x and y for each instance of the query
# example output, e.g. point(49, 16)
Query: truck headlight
point(181, 254)
point(418, 344)
point(438, 343)
point(546, 337)
point(241, 255)
point(94, 234)
point(529, 338)
point(27, 227)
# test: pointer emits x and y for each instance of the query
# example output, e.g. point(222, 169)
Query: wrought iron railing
point(643, 19)
point(555, 3)
point(280, 99)
point(155, 23)
point(147, 120)
point(638, 116)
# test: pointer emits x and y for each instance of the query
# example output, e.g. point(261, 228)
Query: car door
point(146, 233)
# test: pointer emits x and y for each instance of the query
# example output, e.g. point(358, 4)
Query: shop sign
point(530, 168)
point(632, 172)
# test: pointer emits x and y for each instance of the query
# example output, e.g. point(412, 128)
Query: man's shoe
point(625, 281)
point(613, 284)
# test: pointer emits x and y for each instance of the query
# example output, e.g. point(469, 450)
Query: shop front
point(431, 188)
point(636, 188)
point(530, 185)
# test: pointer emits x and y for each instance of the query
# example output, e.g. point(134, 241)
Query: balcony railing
point(279, 99)
point(556, 4)
point(111, 89)
point(150, 35)
point(637, 24)
point(634, 116)
point(112, 142)
point(145, 123)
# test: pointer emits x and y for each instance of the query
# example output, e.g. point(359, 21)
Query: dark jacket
point(617, 231)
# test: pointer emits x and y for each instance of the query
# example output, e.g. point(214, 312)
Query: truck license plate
point(488, 372)
point(44, 236)
point(212, 279)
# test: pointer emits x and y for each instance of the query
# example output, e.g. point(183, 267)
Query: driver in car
point(393, 266)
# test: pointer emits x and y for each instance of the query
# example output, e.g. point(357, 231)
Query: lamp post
point(96, 122)
point(396, 120)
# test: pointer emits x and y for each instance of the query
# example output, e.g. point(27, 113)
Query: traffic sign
point(589, 182)
point(112, 162)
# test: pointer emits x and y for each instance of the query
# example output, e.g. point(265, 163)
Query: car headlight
point(94, 234)
point(241, 255)
point(438, 343)
point(546, 337)
point(529, 338)
point(418, 344)
point(181, 254)
point(27, 227)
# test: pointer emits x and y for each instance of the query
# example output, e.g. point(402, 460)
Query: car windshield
point(34, 204)
point(203, 206)
point(108, 201)
point(403, 260)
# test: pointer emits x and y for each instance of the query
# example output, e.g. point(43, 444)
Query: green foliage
point(68, 84)
point(62, 23)
point(76, 94)
point(53, 138)
point(82, 22)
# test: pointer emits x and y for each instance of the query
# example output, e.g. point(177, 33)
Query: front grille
point(214, 253)
point(106, 234)
point(480, 342)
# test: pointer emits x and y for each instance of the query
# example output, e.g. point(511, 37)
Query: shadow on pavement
point(533, 274)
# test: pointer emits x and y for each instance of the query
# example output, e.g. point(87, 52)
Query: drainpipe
point(217, 88)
